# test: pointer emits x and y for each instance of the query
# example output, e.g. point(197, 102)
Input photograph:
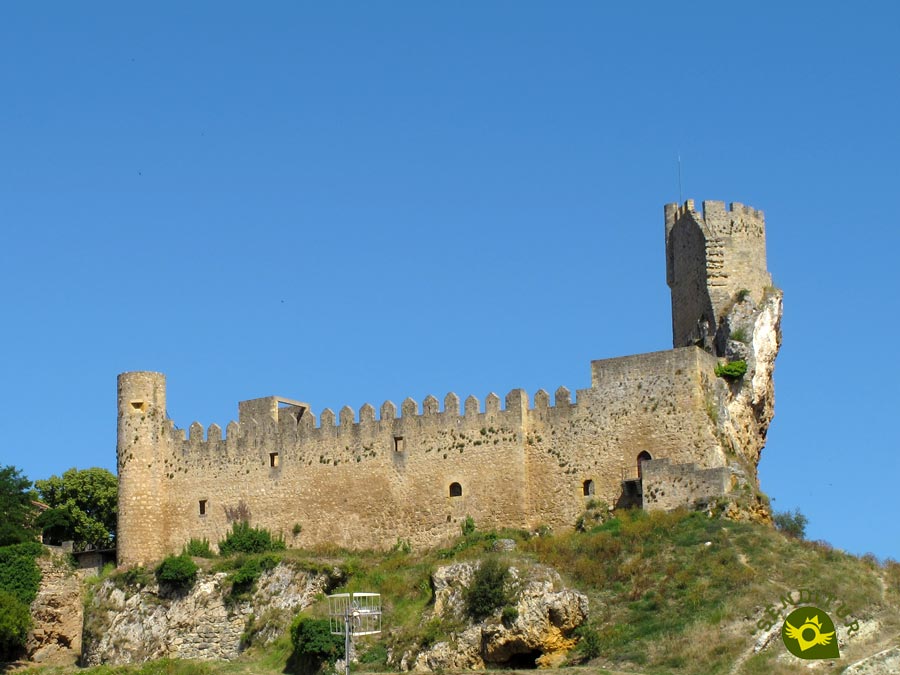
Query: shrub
point(249, 573)
point(19, 573)
point(509, 615)
point(488, 590)
point(198, 548)
point(589, 642)
point(178, 571)
point(468, 526)
point(731, 370)
point(791, 524)
point(313, 642)
point(15, 621)
point(246, 539)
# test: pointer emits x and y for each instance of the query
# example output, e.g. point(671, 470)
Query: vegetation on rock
point(178, 571)
point(246, 539)
point(732, 370)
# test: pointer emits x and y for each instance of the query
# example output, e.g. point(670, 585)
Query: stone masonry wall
point(668, 486)
point(363, 482)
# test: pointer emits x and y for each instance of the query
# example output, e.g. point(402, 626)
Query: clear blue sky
point(351, 202)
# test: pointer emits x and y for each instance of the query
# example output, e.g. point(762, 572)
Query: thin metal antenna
point(680, 196)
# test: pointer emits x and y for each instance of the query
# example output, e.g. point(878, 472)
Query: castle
point(659, 430)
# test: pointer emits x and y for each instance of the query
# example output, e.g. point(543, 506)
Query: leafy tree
point(84, 503)
point(16, 508)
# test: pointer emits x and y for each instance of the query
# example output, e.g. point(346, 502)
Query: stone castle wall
point(365, 480)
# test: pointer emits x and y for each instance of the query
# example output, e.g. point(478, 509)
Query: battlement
point(294, 421)
point(717, 218)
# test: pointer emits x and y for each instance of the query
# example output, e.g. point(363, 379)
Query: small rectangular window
point(399, 446)
point(202, 507)
point(273, 459)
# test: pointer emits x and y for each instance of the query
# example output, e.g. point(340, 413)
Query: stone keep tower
point(713, 259)
point(141, 448)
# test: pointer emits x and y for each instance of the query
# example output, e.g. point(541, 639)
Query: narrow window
point(588, 488)
point(643, 457)
point(399, 445)
point(139, 406)
point(455, 490)
point(202, 507)
point(273, 459)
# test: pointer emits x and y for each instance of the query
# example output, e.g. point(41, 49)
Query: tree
point(792, 524)
point(83, 506)
point(15, 620)
point(16, 507)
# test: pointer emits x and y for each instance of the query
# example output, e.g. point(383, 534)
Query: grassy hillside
point(676, 593)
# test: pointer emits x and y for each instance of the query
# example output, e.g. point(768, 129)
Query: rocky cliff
point(139, 621)
point(538, 632)
point(56, 612)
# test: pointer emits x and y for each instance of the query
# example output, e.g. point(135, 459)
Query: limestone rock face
point(548, 614)
point(55, 638)
point(882, 663)
point(131, 625)
point(745, 407)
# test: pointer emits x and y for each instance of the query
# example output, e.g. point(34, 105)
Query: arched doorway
point(455, 490)
point(587, 488)
point(641, 458)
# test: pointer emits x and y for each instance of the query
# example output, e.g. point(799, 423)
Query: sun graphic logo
point(809, 633)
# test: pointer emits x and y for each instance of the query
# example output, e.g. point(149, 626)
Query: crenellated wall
point(367, 478)
point(361, 481)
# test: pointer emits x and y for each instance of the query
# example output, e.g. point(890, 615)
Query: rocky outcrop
point(136, 623)
point(56, 613)
point(882, 663)
point(538, 632)
point(745, 406)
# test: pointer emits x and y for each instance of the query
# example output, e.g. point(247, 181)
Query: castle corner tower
point(142, 427)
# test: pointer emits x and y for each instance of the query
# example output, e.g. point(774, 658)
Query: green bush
point(198, 548)
point(178, 571)
point(488, 590)
point(589, 642)
point(19, 573)
point(15, 621)
point(731, 370)
point(791, 524)
point(313, 642)
point(246, 539)
point(468, 526)
point(509, 615)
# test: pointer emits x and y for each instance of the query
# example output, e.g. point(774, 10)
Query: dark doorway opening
point(641, 458)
